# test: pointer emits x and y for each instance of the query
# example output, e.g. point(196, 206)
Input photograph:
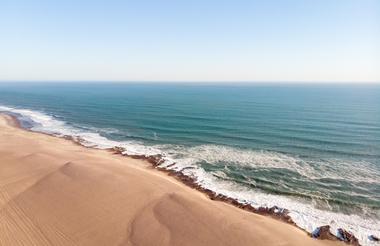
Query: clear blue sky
point(193, 40)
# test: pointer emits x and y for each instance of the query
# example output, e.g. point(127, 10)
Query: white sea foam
point(333, 169)
point(42, 122)
point(304, 214)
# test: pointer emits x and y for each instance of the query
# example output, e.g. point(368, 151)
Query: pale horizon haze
point(290, 40)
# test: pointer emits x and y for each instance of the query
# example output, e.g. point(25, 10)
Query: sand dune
point(54, 192)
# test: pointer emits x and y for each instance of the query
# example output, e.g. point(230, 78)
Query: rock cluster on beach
point(282, 214)
point(323, 232)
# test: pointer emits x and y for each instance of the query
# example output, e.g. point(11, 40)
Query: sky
point(193, 40)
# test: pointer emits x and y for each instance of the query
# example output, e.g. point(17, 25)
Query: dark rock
point(323, 232)
point(347, 237)
point(117, 150)
point(316, 233)
point(373, 238)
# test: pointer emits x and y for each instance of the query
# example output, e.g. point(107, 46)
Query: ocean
point(312, 149)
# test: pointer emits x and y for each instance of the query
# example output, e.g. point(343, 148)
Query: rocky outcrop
point(347, 237)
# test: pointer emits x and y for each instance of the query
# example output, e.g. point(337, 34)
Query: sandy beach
point(55, 192)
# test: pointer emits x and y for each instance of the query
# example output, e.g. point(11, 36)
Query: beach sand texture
point(55, 192)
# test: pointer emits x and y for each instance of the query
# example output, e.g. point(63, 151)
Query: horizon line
point(194, 82)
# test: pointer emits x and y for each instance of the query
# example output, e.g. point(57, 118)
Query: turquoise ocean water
point(313, 149)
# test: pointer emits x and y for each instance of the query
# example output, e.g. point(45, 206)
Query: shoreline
point(280, 214)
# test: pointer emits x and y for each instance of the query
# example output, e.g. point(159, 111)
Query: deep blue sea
point(313, 149)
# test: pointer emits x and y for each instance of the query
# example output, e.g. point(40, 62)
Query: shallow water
point(314, 149)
